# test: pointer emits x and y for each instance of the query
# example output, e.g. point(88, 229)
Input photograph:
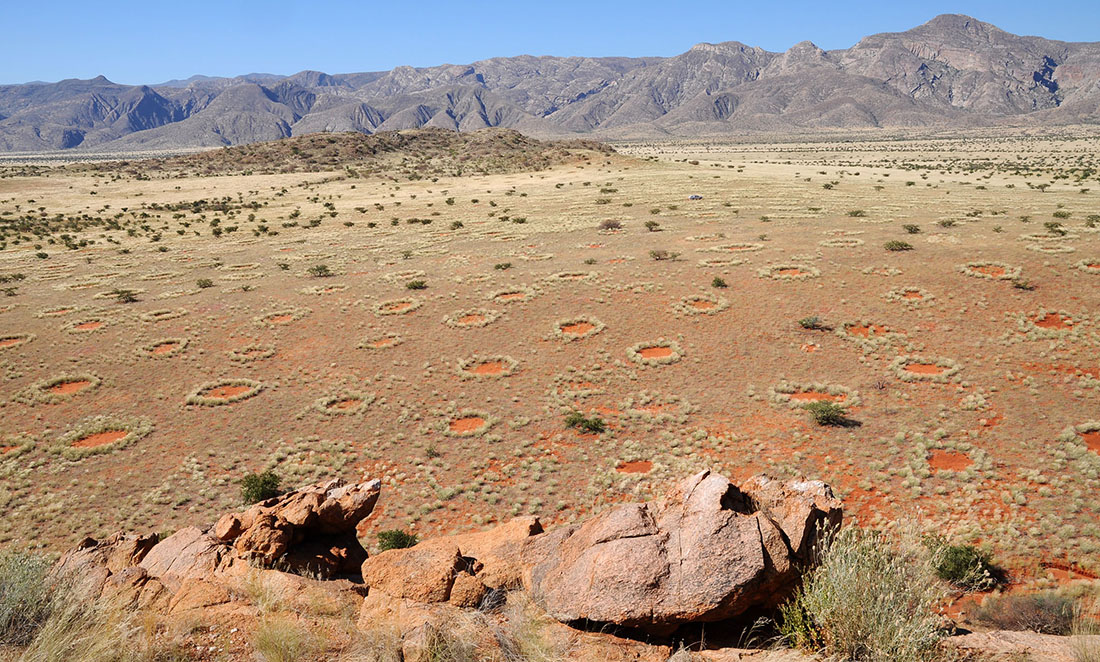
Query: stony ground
point(968, 364)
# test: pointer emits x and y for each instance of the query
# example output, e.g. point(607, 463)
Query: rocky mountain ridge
point(952, 71)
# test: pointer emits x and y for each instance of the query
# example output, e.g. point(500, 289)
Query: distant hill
point(952, 71)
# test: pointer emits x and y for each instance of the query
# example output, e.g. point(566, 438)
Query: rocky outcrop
point(708, 551)
point(311, 530)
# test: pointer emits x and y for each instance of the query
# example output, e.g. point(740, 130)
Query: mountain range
point(952, 71)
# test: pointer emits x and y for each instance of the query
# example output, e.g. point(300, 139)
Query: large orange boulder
point(708, 551)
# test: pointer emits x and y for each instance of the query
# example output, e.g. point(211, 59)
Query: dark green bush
point(826, 413)
point(260, 487)
point(204, 283)
point(898, 246)
point(396, 539)
point(417, 285)
point(966, 566)
point(718, 282)
point(592, 424)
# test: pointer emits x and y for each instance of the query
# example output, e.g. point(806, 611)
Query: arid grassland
point(548, 333)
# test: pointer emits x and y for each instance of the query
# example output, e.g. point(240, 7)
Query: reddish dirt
point(816, 396)
point(655, 352)
point(578, 386)
point(67, 388)
point(468, 320)
point(1092, 440)
point(383, 342)
point(487, 368)
point(914, 296)
point(7, 449)
point(990, 270)
point(396, 306)
point(225, 392)
point(58, 312)
point(99, 439)
point(1053, 321)
point(253, 352)
point(346, 404)
point(511, 296)
point(467, 424)
point(88, 326)
point(1093, 265)
point(950, 460)
point(808, 348)
point(280, 319)
point(9, 342)
point(791, 272)
point(165, 347)
point(577, 329)
point(924, 369)
point(865, 330)
point(702, 304)
point(635, 467)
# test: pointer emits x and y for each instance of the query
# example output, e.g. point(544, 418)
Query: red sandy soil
point(468, 320)
point(913, 295)
point(950, 460)
point(397, 306)
point(1065, 572)
point(635, 467)
point(88, 326)
point(654, 409)
point(487, 368)
point(382, 342)
point(280, 319)
point(990, 270)
point(65, 388)
point(578, 386)
point(702, 304)
point(258, 352)
point(58, 312)
point(222, 392)
point(1053, 321)
point(790, 272)
point(1094, 265)
point(10, 342)
point(808, 347)
point(924, 368)
point(655, 352)
point(99, 439)
point(1092, 440)
point(816, 396)
point(511, 296)
point(467, 424)
point(343, 405)
point(7, 449)
point(165, 347)
point(578, 329)
point(865, 330)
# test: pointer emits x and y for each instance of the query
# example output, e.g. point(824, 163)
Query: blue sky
point(150, 42)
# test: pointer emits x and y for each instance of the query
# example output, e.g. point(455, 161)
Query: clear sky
point(150, 42)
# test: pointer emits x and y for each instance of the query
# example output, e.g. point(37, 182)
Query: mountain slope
point(953, 70)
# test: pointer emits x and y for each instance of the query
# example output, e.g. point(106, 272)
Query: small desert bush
point(720, 283)
point(283, 640)
point(812, 322)
point(965, 566)
point(826, 413)
point(610, 225)
point(319, 271)
point(662, 254)
point(24, 596)
point(898, 246)
point(204, 283)
point(396, 539)
point(911, 228)
point(1046, 612)
point(871, 597)
point(260, 487)
point(417, 285)
point(652, 226)
point(591, 424)
point(124, 296)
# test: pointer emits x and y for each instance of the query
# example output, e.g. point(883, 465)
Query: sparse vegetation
point(590, 424)
point(260, 487)
point(396, 539)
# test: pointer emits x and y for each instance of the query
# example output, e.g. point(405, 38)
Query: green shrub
point(812, 322)
point(25, 596)
point(578, 421)
point(720, 283)
point(826, 413)
point(610, 225)
point(455, 225)
point(396, 539)
point(869, 598)
point(319, 271)
point(898, 246)
point(204, 283)
point(1046, 612)
point(124, 296)
point(502, 266)
point(652, 226)
point(662, 254)
point(417, 285)
point(857, 213)
point(260, 487)
point(911, 229)
point(965, 566)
